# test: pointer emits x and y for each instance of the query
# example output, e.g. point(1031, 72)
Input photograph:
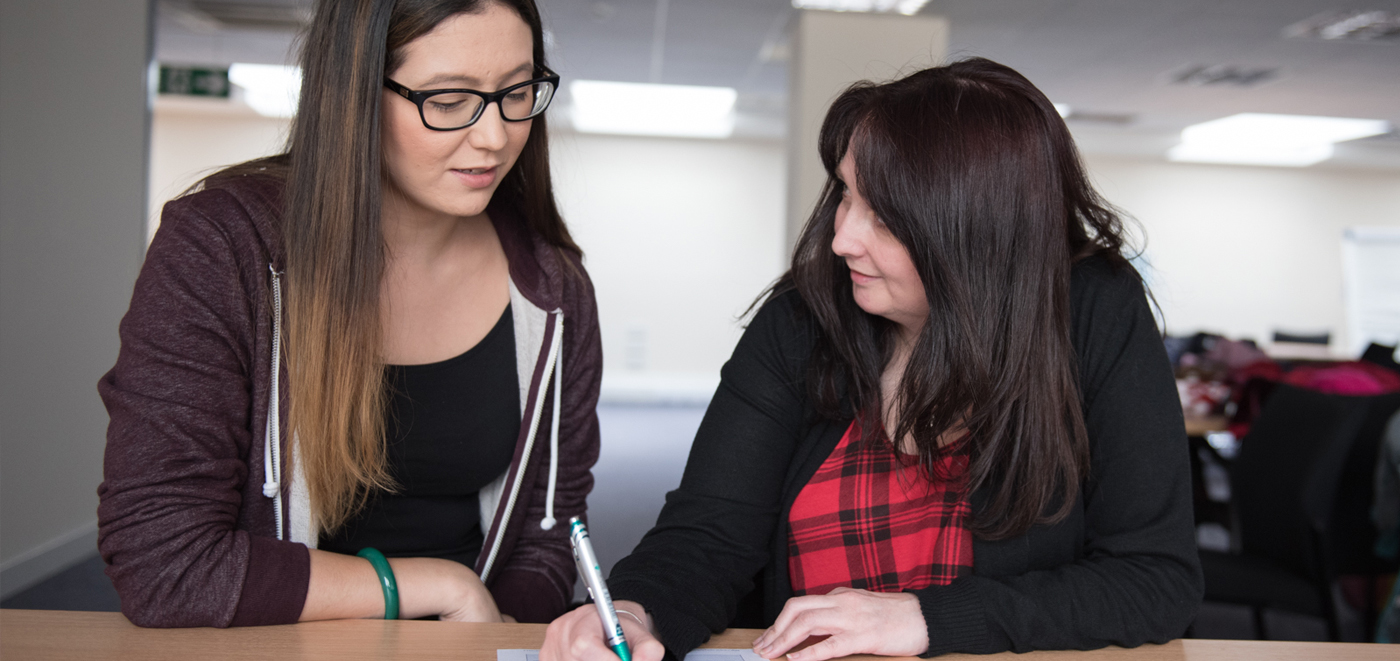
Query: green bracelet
point(386, 581)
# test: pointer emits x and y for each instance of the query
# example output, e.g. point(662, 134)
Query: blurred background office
point(1254, 142)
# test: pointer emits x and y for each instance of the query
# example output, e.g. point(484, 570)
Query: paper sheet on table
point(696, 655)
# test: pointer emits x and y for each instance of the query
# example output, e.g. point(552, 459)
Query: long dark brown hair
point(333, 237)
point(972, 170)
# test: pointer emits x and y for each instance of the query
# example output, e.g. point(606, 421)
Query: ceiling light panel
point(270, 90)
point(645, 109)
point(1264, 139)
point(906, 7)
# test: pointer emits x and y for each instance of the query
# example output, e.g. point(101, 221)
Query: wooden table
point(1202, 425)
point(39, 635)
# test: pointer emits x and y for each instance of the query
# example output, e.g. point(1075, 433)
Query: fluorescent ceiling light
point(645, 109)
point(270, 90)
point(906, 7)
point(1263, 139)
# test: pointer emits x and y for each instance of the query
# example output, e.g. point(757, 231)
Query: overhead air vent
point(253, 15)
point(1222, 75)
point(1366, 26)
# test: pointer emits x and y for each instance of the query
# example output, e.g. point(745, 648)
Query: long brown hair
point(335, 253)
point(973, 171)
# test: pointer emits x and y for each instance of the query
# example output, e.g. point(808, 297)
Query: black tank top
point(452, 428)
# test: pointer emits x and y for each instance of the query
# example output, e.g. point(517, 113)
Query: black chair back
point(1351, 532)
point(1284, 481)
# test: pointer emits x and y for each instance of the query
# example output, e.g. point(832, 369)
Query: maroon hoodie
point(188, 534)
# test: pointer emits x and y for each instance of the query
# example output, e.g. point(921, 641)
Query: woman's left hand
point(856, 621)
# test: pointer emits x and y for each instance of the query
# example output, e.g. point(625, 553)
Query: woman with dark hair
point(360, 347)
point(950, 427)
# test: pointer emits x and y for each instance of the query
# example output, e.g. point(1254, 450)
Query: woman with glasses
point(950, 427)
point(381, 344)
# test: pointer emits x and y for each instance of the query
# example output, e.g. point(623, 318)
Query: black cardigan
point(1122, 569)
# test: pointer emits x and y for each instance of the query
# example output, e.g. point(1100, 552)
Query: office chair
point(1352, 534)
point(1284, 485)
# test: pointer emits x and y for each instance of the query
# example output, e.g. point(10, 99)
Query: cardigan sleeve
point(536, 584)
point(713, 534)
point(180, 407)
point(1137, 577)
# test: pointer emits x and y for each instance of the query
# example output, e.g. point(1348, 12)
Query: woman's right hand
point(578, 635)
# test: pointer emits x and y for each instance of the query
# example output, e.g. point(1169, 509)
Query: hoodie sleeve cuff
point(528, 596)
point(677, 631)
point(954, 617)
point(274, 587)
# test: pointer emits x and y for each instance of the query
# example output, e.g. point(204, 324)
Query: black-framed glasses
point(453, 109)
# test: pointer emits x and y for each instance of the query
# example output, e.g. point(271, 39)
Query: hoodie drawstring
point(272, 449)
point(551, 352)
point(548, 521)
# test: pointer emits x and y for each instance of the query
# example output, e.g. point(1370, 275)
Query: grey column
point(74, 119)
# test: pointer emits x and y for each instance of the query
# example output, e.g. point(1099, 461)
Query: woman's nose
point(489, 132)
point(846, 242)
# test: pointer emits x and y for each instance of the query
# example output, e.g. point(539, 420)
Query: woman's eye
point(444, 106)
point(518, 96)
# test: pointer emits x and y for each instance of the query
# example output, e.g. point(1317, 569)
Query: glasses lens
point(527, 101)
point(451, 110)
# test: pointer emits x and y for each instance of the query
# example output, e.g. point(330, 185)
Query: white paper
point(697, 655)
point(517, 655)
point(715, 654)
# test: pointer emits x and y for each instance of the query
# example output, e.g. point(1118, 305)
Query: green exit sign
point(191, 81)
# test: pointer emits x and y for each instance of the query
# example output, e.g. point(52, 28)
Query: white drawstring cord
point(548, 522)
point(537, 412)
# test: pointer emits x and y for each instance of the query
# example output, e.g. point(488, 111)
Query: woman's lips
point(477, 177)
point(862, 279)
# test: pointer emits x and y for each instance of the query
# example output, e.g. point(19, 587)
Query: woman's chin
point(870, 306)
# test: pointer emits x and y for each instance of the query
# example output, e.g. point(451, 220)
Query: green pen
point(593, 578)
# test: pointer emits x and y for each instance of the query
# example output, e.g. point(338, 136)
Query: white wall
point(73, 121)
point(1243, 251)
point(679, 237)
point(193, 138)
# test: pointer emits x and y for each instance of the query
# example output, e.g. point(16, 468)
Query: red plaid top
point(871, 518)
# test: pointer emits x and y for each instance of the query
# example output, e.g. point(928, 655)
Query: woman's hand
point(449, 590)
point(856, 621)
point(578, 635)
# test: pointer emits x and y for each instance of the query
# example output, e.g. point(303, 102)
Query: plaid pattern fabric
point(873, 520)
